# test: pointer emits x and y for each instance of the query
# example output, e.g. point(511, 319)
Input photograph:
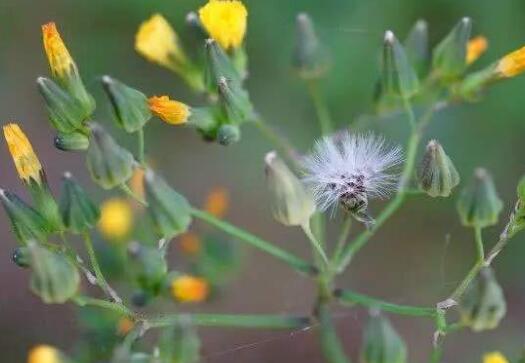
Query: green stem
point(81, 300)
point(315, 243)
point(101, 280)
point(233, 321)
point(330, 343)
point(341, 242)
point(323, 114)
point(292, 260)
point(140, 140)
point(349, 298)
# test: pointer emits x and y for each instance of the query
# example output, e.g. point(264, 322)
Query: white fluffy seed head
point(346, 165)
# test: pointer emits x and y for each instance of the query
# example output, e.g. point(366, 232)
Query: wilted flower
point(437, 175)
point(116, 219)
point(348, 169)
point(494, 357)
point(475, 48)
point(171, 111)
point(512, 64)
point(24, 157)
point(217, 202)
point(187, 288)
point(225, 21)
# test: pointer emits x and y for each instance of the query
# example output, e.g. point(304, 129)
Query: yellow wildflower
point(512, 64)
point(24, 157)
point(225, 21)
point(494, 357)
point(157, 41)
point(124, 326)
point(475, 48)
point(116, 219)
point(43, 354)
point(190, 243)
point(217, 202)
point(136, 182)
point(170, 111)
point(189, 289)
point(58, 56)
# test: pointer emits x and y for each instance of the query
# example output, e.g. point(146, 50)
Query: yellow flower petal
point(170, 111)
point(225, 21)
point(24, 157)
point(512, 64)
point(475, 48)
point(43, 354)
point(217, 202)
point(494, 357)
point(116, 219)
point(190, 243)
point(189, 289)
point(58, 56)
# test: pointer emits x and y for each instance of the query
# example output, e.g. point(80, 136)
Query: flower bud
point(310, 59)
point(205, 120)
point(74, 141)
point(399, 78)
point(416, 47)
point(109, 164)
point(54, 278)
point(220, 66)
point(168, 110)
point(292, 204)
point(46, 354)
point(475, 48)
point(169, 211)
point(46, 205)
point(381, 343)
point(20, 257)
point(479, 204)
point(228, 134)
point(235, 102)
point(474, 83)
point(511, 64)
point(65, 112)
point(180, 343)
point(483, 305)
point(130, 106)
point(225, 21)
point(189, 289)
point(215, 259)
point(450, 55)
point(150, 266)
point(27, 223)
point(24, 157)
point(437, 175)
point(78, 212)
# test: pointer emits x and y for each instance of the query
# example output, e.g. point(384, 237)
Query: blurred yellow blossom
point(24, 157)
point(58, 56)
point(475, 48)
point(116, 219)
point(190, 243)
point(494, 357)
point(512, 64)
point(217, 202)
point(187, 288)
point(170, 111)
point(225, 21)
point(43, 354)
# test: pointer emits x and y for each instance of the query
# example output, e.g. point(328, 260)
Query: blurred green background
point(416, 258)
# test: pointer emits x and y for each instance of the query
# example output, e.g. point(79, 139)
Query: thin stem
point(323, 114)
point(315, 243)
point(120, 308)
point(343, 236)
point(126, 189)
point(140, 141)
point(101, 280)
point(348, 297)
point(279, 142)
point(292, 260)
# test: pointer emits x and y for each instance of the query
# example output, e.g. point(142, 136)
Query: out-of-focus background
point(416, 259)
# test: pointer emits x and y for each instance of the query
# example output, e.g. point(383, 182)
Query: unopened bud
point(381, 343)
point(310, 58)
point(220, 66)
point(74, 141)
point(150, 267)
point(416, 47)
point(228, 134)
point(437, 175)
point(450, 55)
point(235, 102)
point(20, 257)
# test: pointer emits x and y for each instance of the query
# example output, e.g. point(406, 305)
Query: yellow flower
point(116, 219)
point(124, 326)
point(58, 56)
point(512, 64)
point(475, 48)
point(25, 159)
point(136, 182)
point(43, 354)
point(189, 289)
point(157, 41)
point(170, 111)
point(494, 357)
point(190, 243)
point(217, 202)
point(225, 21)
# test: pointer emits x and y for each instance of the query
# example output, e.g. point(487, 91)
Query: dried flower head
point(170, 111)
point(43, 354)
point(25, 159)
point(348, 169)
point(217, 202)
point(494, 357)
point(188, 288)
point(60, 60)
point(475, 48)
point(225, 21)
point(116, 219)
point(512, 64)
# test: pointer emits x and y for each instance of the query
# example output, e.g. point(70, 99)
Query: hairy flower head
point(188, 288)
point(25, 159)
point(475, 48)
point(512, 64)
point(217, 202)
point(170, 111)
point(116, 219)
point(60, 60)
point(43, 354)
point(348, 169)
point(494, 357)
point(225, 21)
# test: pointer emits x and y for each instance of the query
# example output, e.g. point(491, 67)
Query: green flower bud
point(450, 55)
point(437, 175)
point(180, 343)
point(292, 204)
point(219, 66)
point(26, 222)
point(109, 164)
point(204, 119)
point(65, 112)
point(310, 58)
point(381, 343)
point(228, 134)
point(517, 218)
point(235, 102)
point(73, 141)
point(399, 78)
point(483, 305)
point(20, 257)
point(416, 47)
point(78, 212)
point(472, 86)
point(169, 211)
point(130, 106)
point(479, 204)
point(54, 278)
point(217, 259)
point(150, 266)
point(45, 204)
